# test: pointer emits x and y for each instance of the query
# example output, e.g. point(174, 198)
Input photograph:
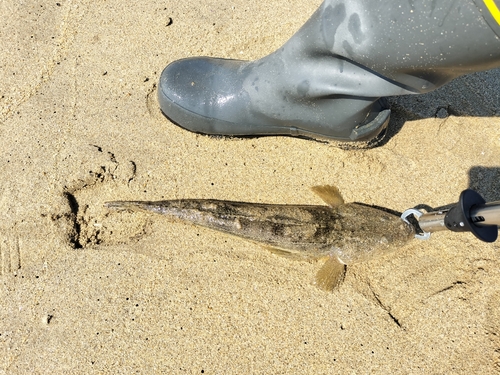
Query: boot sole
point(205, 125)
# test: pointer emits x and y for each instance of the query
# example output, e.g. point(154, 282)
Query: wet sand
point(84, 290)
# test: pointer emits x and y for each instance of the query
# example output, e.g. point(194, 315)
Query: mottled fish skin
point(307, 231)
point(345, 232)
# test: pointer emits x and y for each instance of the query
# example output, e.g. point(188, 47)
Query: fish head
point(373, 233)
point(399, 231)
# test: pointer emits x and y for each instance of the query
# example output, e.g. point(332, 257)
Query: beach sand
point(85, 291)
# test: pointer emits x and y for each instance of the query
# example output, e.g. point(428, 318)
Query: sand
point(87, 291)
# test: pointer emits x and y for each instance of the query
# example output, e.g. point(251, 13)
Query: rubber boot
point(329, 80)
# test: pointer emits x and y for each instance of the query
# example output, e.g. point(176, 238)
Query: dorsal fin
point(329, 194)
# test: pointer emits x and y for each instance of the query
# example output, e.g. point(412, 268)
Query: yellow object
point(492, 7)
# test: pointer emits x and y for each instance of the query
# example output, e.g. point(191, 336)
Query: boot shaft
point(420, 44)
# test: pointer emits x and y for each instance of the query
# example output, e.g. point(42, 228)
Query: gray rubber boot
point(327, 80)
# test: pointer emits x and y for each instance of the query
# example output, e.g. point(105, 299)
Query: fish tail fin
point(331, 274)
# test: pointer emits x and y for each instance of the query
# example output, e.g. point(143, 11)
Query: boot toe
point(201, 94)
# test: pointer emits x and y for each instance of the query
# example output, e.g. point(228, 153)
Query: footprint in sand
point(87, 222)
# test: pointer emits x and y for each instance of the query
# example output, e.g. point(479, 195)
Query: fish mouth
point(410, 230)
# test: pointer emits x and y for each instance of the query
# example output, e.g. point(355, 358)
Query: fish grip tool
point(470, 214)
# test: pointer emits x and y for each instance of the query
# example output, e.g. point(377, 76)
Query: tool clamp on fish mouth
point(419, 233)
point(470, 214)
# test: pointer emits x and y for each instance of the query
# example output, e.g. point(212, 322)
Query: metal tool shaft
point(432, 221)
point(470, 214)
point(481, 215)
point(486, 214)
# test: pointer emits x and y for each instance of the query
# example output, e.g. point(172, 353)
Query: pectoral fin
point(331, 275)
point(329, 194)
point(282, 252)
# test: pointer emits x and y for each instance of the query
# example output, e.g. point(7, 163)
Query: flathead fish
point(342, 233)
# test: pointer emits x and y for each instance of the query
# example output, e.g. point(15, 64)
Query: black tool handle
point(459, 218)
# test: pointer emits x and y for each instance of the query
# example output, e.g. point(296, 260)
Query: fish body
point(343, 233)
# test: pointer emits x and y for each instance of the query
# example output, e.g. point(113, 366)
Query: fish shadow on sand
point(472, 95)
